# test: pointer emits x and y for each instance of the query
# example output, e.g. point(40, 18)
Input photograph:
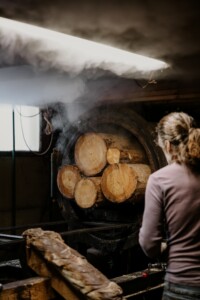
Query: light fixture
point(54, 50)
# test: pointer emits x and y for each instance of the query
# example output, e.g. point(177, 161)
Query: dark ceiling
point(167, 30)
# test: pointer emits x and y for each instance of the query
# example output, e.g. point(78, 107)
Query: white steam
point(25, 86)
point(49, 49)
point(43, 67)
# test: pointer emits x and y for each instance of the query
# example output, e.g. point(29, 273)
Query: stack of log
point(108, 167)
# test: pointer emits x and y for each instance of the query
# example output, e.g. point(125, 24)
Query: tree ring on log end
point(67, 178)
point(118, 182)
point(90, 154)
point(85, 193)
point(118, 121)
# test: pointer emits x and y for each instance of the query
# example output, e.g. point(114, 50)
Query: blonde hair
point(179, 129)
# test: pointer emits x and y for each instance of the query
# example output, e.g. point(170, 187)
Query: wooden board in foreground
point(48, 255)
point(32, 288)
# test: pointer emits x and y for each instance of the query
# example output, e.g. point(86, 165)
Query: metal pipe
point(52, 179)
point(10, 236)
point(13, 189)
point(96, 229)
point(3, 229)
point(147, 290)
point(74, 232)
point(55, 157)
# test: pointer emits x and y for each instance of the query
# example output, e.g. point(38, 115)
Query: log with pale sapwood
point(70, 265)
point(90, 153)
point(143, 172)
point(67, 178)
point(118, 182)
point(113, 156)
point(88, 192)
point(123, 149)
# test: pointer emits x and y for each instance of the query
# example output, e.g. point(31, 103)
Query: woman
point(173, 197)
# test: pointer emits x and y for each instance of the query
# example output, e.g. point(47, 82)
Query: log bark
point(115, 156)
point(118, 182)
point(142, 171)
point(72, 266)
point(97, 182)
point(90, 154)
point(67, 178)
point(130, 149)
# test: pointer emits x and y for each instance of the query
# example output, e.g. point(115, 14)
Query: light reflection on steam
point(24, 85)
point(49, 49)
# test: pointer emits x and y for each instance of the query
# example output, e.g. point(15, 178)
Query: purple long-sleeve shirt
point(174, 192)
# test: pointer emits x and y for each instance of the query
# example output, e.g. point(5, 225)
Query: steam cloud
point(24, 85)
point(47, 50)
point(44, 67)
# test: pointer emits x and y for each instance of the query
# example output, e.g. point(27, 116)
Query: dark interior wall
point(27, 183)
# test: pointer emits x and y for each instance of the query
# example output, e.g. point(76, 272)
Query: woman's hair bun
point(194, 143)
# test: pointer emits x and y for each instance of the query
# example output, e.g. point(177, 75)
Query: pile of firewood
point(108, 167)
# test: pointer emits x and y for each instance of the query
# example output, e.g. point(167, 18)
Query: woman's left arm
point(151, 232)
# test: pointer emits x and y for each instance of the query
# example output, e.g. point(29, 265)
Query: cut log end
point(90, 154)
point(118, 182)
point(67, 178)
point(113, 156)
point(85, 193)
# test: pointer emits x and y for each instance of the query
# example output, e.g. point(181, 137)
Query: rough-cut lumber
point(118, 182)
point(32, 288)
point(90, 154)
point(67, 178)
point(85, 193)
point(72, 266)
point(131, 151)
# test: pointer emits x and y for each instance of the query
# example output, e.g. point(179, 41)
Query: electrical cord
point(150, 81)
point(25, 116)
point(51, 139)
